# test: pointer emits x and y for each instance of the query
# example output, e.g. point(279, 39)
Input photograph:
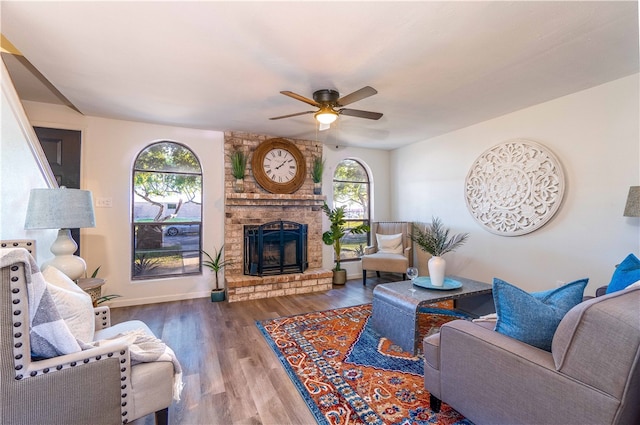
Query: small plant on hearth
point(216, 263)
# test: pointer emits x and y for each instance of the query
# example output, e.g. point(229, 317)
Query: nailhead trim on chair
point(17, 278)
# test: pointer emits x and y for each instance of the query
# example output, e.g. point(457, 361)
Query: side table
point(92, 286)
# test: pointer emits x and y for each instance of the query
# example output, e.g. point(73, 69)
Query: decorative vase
point(217, 295)
point(317, 188)
point(436, 270)
point(238, 186)
point(339, 277)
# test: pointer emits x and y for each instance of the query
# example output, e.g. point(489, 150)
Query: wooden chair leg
point(162, 416)
point(435, 403)
point(364, 277)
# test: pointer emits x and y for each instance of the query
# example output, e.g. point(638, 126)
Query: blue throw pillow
point(533, 317)
point(625, 274)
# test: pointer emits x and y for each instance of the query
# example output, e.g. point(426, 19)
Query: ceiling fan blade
point(357, 95)
point(361, 114)
point(292, 115)
point(300, 98)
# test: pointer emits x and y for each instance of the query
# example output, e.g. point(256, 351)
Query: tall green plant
point(215, 263)
point(317, 167)
point(435, 239)
point(338, 230)
point(238, 164)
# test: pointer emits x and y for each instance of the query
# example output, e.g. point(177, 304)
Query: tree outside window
point(167, 212)
point(351, 190)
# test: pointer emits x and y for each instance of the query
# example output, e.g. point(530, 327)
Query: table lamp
point(62, 209)
point(632, 208)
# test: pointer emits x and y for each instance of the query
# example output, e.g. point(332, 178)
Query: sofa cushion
point(73, 304)
point(389, 244)
point(625, 274)
point(533, 317)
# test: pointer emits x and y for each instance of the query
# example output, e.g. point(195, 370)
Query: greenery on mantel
point(317, 167)
point(238, 164)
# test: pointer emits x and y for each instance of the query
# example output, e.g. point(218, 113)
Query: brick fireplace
point(255, 207)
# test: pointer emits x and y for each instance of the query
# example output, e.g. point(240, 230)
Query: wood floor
point(231, 375)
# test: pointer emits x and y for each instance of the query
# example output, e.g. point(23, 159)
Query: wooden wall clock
point(278, 166)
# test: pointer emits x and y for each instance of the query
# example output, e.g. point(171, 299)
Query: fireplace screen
point(279, 247)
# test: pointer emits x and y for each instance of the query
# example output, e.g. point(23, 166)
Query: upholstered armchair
point(390, 249)
point(97, 385)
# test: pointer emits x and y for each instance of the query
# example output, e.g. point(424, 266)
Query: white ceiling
point(437, 66)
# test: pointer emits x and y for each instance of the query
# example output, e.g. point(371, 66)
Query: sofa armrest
point(368, 250)
point(491, 378)
point(407, 252)
point(102, 317)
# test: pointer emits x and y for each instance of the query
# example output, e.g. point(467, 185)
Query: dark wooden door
point(62, 149)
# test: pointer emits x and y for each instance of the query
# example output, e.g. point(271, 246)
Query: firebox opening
point(278, 247)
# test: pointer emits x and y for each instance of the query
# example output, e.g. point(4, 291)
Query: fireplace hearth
point(278, 247)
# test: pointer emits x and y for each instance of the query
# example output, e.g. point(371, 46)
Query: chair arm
point(115, 348)
point(368, 250)
point(407, 252)
point(102, 317)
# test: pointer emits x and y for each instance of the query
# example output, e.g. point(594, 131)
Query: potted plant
point(334, 235)
point(435, 240)
point(216, 264)
point(238, 166)
point(317, 167)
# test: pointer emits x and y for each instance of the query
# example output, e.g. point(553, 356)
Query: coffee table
point(395, 307)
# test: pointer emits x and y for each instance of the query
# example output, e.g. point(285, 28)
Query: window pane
point(168, 156)
point(351, 191)
point(351, 171)
point(167, 212)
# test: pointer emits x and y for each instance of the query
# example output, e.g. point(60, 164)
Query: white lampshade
point(62, 209)
point(326, 116)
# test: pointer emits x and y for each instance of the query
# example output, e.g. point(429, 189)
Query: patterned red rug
point(347, 374)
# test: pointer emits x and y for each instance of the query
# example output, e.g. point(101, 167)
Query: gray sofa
point(591, 375)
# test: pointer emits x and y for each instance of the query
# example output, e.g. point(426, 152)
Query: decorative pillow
point(389, 244)
point(625, 274)
point(533, 317)
point(73, 304)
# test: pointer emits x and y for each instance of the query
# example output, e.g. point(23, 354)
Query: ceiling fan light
point(326, 116)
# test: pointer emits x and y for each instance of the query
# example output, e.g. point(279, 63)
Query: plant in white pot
point(434, 239)
point(334, 235)
point(316, 174)
point(216, 263)
point(238, 166)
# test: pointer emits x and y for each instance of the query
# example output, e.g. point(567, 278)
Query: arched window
point(351, 190)
point(166, 221)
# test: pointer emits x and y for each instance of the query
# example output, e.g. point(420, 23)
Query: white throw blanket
point(145, 348)
point(49, 335)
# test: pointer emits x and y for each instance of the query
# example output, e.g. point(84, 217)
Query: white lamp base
point(63, 248)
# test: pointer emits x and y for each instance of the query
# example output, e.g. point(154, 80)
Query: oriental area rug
point(347, 374)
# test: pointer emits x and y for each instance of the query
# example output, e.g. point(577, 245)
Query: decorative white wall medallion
point(514, 188)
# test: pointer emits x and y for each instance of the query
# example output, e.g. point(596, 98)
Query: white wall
point(19, 172)
point(594, 134)
point(109, 148)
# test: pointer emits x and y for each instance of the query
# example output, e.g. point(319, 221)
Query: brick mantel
point(257, 206)
point(269, 199)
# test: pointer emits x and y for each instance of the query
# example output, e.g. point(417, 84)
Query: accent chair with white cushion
point(591, 376)
point(87, 382)
point(390, 249)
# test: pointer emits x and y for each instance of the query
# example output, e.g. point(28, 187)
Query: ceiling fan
point(328, 100)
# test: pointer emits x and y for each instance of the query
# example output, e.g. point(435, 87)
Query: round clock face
point(278, 166)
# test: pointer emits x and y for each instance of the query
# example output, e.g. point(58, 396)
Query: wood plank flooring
point(231, 375)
